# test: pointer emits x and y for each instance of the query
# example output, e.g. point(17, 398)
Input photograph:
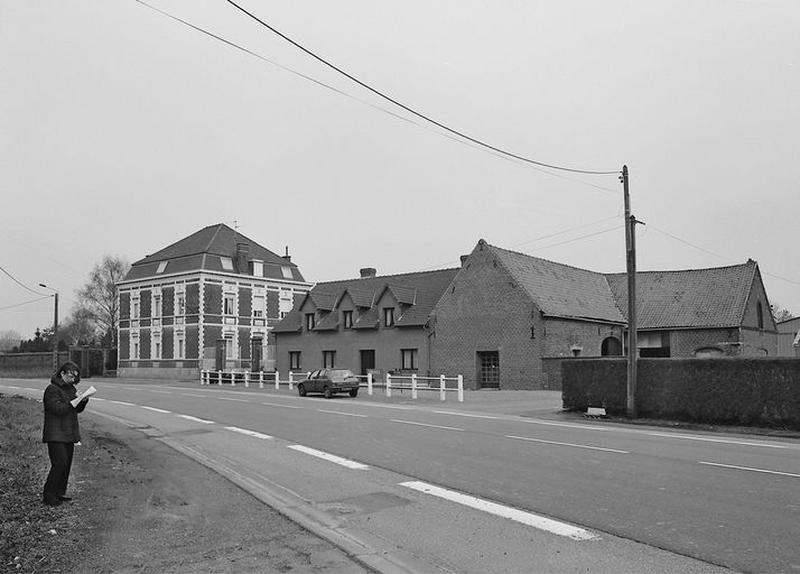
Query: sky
point(123, 130)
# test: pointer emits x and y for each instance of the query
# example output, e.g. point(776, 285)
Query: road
point(588, 490)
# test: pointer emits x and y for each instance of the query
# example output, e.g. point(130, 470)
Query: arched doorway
point(611, 347)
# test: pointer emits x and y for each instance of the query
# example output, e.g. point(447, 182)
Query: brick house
point(371, 324)
point(209, 300)
point(507, 320)
point(789, 338)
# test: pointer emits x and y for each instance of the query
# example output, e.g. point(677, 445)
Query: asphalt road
point(723, 499)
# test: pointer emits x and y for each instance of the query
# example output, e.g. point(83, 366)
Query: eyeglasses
point(70, 374)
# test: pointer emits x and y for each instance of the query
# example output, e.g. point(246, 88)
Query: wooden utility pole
point(630, 251)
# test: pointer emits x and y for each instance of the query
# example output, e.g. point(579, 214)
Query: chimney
point(463, 259)
point(367, 272)
point(287, 257)
point(242, 251)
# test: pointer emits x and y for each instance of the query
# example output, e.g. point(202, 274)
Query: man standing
point(61, 430)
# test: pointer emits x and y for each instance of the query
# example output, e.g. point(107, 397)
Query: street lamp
point(55, 325)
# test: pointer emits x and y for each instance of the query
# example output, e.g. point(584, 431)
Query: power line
point(414, 112)
point(582, 237)
point(562, 232)
point(25, 303)
point(364, 102)
point(21, 284)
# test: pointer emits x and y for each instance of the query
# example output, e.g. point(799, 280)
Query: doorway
point(367, 360)
point(488, 369)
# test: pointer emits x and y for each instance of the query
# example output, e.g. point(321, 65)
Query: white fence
point(392, 383)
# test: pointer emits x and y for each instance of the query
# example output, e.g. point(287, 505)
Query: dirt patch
point(140, 506)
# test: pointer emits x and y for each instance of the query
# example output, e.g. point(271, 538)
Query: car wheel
point(301, 390)
point(353, 392)
point(327, 393)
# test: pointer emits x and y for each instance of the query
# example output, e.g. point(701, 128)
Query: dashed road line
point(280, 405)
point(329, 457)
point(521, 516)
point(157, 410)
point(762, 470)
point(230, 399)
point(249, 433)
point(718, 440)
point(342, 413)
point(121, 403)
point(466, 415)
point(195, 419)
point(195, 396)
point(529, 439)
point(426, 425)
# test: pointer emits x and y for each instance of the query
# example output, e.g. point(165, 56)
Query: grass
point(33, 537)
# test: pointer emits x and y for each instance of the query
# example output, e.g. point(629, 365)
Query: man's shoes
point(66, 498)
point(51, 501)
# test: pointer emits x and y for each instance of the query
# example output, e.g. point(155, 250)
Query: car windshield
point(340, 374)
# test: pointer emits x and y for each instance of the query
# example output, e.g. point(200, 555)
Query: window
point(408, 359)
point(135, 346)
point(180, 304)
point(258, 268)
point(388, 316)
point(157, 305)
point(135, 309)
point(328, 359)
point(227, 263)
point(157, 349)
point(229, 347)
point(489, 369)
point(760, 315)
point(285, 302)
point(286, 271)
point(180, 343)
point(258, 306)
point(310, 321)
point(294, 360)
point(347, 319)
point(230, 300)
point(162, 265)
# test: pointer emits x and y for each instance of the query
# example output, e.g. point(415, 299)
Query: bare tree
point(99, 295)
point(80, 327)
point(781, 313)
point(9, 339)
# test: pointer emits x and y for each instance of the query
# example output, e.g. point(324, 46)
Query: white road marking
point(192, 395)
point(229, 399)
point(751, 469)
point(157, 410)
point(568, 425)
point(720, 440)
point(330, 457)
point(568, 444)
point(425, 425)
point(249, 433)
point(465, 415)
point(527, 518)
point(341, 413)
point(121, 403)
point(195, 419)
point(10, 387)
point(160, 392)
point(280, 405)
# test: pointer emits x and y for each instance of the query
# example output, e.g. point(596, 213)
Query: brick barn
point(209, 300)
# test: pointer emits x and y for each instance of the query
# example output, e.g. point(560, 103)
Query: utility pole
point(55, 325)
point(630, 251)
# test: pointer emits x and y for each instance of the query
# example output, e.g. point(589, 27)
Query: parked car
point(329, 382)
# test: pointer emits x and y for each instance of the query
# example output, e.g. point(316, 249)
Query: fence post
point(219, 378)
point(260, 379)
point(246, 379)
point(460, 388)
point(413, 385)
point(388, 385)
point(233, 378)
point(277, 381)
point(201, 377)
point(369, 383)
point(291, 380)
point(441, 388)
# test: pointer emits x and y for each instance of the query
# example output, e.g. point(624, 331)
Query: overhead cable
point(21, 284)
point(414, 112)
point(25, 303)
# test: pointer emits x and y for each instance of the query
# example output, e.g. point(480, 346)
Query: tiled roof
point(561, 290)
point(203, 249)
point(292, 323)
point(404, 295)
point(329, 322)
point(367, 320)
point(323, 301)
point(714, 297)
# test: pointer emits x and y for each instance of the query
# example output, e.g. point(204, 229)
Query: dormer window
point(347, 319)
point(388, 316)
point(227, 263)
point(258, 268)
point(310, 322)
point(162, 266)
point(286, 271)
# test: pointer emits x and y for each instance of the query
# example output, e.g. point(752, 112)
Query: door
point(367, 360)
point(488, 370)
point(220, 355)
point(256, 345)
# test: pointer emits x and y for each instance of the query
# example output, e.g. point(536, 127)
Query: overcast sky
point(123, 131)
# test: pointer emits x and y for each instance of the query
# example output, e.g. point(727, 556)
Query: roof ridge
point(383, 277)
point(542, 259)
point(694, 269)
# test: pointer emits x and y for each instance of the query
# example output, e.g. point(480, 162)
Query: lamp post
point(55, 325)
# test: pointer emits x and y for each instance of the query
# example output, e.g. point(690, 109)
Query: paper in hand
point(85, 394)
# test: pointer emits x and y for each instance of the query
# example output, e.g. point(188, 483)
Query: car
point(329, 382)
